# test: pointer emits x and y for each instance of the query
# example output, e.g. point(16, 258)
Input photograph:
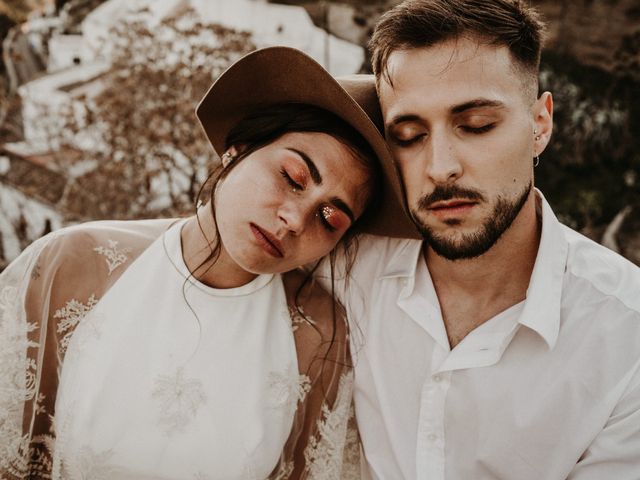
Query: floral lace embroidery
point(298, 317)
point(18, 380)
point(115, 256)
point(179, 400)
point(89, 464)
point(39, 408)
point(284, 472)
point(323, 455)
point(35, 272)
point(351, 455)
point(69, 317)
point(287, 388)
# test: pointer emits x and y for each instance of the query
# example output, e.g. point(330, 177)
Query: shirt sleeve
point(615, 451)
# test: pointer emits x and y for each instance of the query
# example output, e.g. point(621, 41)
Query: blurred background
point(97, 100)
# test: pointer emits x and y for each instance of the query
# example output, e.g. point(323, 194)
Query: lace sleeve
point(321, 445)
point(18, 368)
point(44, 294)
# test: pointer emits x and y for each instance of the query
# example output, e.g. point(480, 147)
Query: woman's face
point(290, 202)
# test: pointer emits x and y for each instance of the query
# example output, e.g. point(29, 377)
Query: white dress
point(160, 376)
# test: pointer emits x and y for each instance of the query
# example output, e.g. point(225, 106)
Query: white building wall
point(13, 203)
point(43, 104)
point(67, 51)
point(270, 24)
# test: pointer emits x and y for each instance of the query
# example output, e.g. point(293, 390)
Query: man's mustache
point(448, 192)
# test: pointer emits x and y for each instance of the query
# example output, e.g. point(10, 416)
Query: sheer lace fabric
point(70, 309)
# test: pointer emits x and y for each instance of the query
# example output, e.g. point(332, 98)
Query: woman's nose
point(293, 216)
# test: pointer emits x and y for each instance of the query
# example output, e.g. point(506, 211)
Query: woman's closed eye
point(332, 218)
point(295, 186)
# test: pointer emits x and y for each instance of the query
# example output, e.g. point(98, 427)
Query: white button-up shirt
point(548, 389)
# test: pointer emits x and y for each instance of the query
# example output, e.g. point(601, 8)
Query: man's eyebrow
point(313, 170)
point(478, 103)
point(404, 118)
point(335, 201)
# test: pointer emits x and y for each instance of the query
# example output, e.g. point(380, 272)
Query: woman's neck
point(198, 241)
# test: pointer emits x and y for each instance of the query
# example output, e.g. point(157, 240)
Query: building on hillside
point(269, 24)
point(27, 210)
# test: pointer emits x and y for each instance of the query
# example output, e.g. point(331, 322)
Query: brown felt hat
point(285, 75)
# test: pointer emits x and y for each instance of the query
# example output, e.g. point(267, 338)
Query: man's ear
point(542, 111)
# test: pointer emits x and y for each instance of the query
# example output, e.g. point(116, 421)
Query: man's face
point(463, 129)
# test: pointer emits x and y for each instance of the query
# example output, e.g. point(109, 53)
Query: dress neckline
point(172, 243)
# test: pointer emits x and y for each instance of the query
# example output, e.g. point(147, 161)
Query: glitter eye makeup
point(334, 217)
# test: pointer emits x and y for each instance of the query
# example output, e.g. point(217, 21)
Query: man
point(503, 345)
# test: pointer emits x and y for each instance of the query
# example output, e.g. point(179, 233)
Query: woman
point(180, 349)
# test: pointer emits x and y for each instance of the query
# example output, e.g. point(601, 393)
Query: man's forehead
point(449, 72)
point(451, 57)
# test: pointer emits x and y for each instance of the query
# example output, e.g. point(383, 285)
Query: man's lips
point(267, 241)
point(449, 207)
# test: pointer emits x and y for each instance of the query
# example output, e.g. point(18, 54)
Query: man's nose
point(442, 164)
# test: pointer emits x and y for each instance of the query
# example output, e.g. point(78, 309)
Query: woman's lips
point(267, 241)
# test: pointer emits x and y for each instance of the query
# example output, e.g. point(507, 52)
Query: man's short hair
point(424, 23)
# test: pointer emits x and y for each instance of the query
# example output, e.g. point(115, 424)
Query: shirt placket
point(430, 454)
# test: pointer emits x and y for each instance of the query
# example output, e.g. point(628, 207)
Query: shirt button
point(437, 378)
point(432, 437)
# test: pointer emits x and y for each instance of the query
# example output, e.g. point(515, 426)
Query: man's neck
point(473, 291)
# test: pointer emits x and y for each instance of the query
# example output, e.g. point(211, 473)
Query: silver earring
point(227, 158)
point(536, 161)
point(537, 137)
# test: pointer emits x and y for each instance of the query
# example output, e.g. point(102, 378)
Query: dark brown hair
point(424, 23)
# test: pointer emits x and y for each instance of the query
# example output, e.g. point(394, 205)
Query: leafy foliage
point(591, 168)
point(147, 149)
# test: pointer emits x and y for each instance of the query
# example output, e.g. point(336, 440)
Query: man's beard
point(473, 244)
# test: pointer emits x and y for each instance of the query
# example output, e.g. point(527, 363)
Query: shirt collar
point(404, 260)
point(544, 295)
point(541, 311)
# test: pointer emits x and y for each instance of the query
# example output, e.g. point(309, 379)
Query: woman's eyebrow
point(317, 179)
point(313, 170)
point(338, 203)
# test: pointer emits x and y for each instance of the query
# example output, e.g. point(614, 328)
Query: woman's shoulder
point(134, 233)
point(109, 238)
point(85, 259)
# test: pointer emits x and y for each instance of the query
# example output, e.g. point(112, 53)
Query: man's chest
point(499, 405)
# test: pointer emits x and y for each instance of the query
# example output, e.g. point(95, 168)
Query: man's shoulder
point(608, 273)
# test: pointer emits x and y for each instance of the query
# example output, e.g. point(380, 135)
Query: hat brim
point(285, 75)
